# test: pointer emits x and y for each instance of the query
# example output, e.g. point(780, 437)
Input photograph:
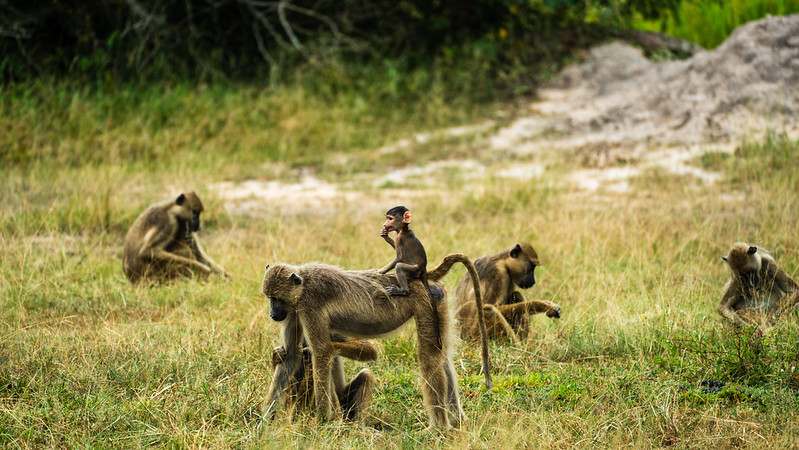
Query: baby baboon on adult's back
point(161, 244)
point(314, 301)
point(506, 312)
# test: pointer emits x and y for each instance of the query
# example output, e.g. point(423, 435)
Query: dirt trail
point(617, 113)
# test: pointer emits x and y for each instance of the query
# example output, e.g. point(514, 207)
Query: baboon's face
point(521, 264)
point(188, 207)
point(744, 263)
point(282, 287)
point(392, 223)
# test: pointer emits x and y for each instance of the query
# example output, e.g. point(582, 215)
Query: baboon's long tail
point(439, 272)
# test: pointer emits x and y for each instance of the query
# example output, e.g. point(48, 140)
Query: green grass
point(88, 360)
point(709, 22)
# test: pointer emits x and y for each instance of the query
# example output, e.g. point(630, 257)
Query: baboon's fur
point(758, 291)
point(505, 311)
point(354, 397)
point(162, 244)
point(314, 300)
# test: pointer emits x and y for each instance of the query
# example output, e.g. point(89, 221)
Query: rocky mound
point(747, 86)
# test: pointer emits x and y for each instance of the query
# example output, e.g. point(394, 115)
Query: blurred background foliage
point(509, 43)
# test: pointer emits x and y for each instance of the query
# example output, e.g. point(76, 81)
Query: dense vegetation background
point(113, 41)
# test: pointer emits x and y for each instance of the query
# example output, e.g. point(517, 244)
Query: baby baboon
point(354, 397)
point(506, 312)
point(756, 292)
point(314, 300)
point(410, 262)
point(161, 244)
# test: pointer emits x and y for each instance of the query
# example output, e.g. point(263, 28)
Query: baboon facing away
point(506, 312)
point(162, 243)
point(314, 300)
point(354, 397)
point(758, 291)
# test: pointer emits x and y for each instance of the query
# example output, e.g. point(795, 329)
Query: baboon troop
point(162, 243)
point(505, 312)
point(758, 291)
point(326, 312)
point(313, 301)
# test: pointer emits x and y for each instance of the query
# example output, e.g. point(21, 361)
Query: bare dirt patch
point(613, 114)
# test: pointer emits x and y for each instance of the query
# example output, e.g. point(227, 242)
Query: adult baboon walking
point(505, 311)
point(758, 291)
point(162, 243)
point(315, 300)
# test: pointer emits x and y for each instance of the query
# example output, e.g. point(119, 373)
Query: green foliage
point(708, 22)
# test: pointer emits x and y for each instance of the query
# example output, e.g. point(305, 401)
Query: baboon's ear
point(752, 250)
point(296, 279)
point(516, 251)
point(406, 218)
point(181, 199)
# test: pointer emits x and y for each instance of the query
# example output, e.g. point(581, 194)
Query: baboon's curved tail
point(442, 269)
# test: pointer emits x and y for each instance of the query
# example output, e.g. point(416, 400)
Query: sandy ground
point(614, 114)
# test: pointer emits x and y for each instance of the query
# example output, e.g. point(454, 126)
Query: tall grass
point(88, 360)
point(709, 22)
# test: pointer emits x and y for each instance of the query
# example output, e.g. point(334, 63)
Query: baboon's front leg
point(495, 322)
point(171, 257)
point(727, 311)
point(287, 363)
point(324, 391)
point(325, 396)
point(517, 304)
point(203, 257)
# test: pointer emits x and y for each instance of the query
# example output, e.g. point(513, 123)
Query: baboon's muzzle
point(529, 280)
point(277, 310)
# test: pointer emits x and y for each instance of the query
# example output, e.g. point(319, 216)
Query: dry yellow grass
point(86, 359)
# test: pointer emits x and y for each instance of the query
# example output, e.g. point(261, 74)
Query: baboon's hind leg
point(356, 397)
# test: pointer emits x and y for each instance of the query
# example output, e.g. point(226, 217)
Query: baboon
point(314, 300)
point(162, 243)
point(354, 397)
point(410, 262)
point(757, 292)
point(506, 312)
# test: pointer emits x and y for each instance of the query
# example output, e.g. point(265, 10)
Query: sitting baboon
point(758, 291)
point(505, 311)
point(355, 397)
point(314, 300)
point(162, 243)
